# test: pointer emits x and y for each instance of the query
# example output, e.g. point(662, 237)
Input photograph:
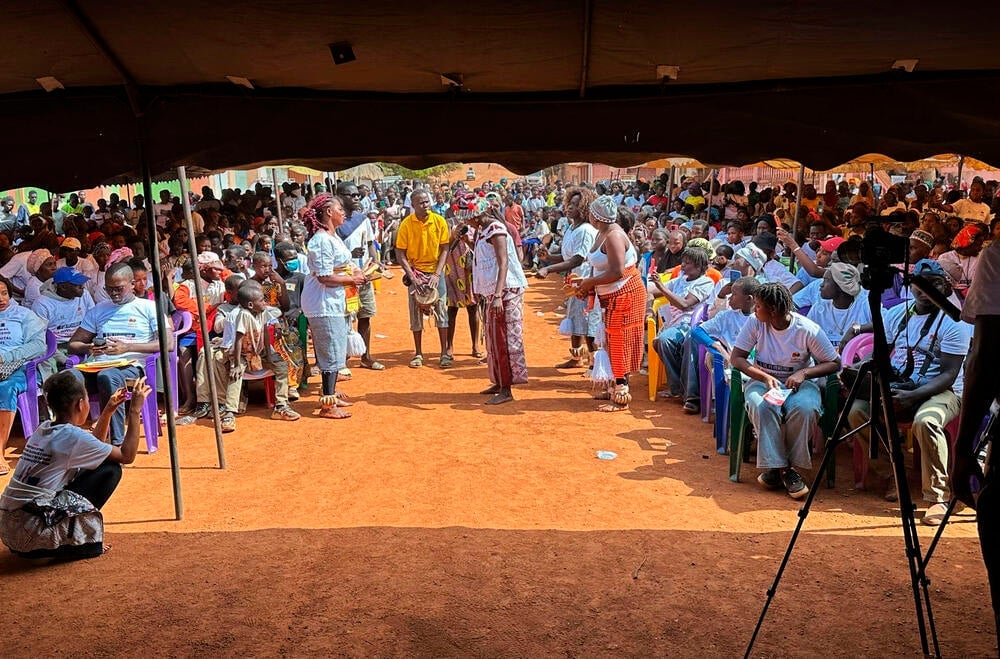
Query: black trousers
point(97, 484)
point(988, 520)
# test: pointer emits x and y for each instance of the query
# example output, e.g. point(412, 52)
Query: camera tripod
point(883, 428)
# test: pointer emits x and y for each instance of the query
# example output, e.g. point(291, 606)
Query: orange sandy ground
point(431, 525)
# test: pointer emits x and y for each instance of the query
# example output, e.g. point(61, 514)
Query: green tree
point(430, 172)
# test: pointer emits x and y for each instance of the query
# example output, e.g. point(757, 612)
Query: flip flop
point(373, 365)
point(4, 467)
point(447, 361)
point(478, 354)
point(417, 361)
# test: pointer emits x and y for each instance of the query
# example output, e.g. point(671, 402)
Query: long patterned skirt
point(505, 340)
point(624, 324)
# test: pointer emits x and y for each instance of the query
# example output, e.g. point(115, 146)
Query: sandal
point(373, 365)
point(692, 407)
point(417, 361)
point(4, 467)
point(345, 374)
point(478, 354)
point(447, 361)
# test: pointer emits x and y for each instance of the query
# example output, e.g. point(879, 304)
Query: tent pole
point(277, 198)
point(798, 199)
point(161, 332)
point(670, 186)
point(871, 169)
point(202, 319)
point(961, 166)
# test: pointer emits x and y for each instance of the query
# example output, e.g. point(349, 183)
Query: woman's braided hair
point(775, 297)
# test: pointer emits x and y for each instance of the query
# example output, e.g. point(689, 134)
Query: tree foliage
point(430, 172)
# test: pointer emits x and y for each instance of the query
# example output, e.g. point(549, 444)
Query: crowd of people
point(765, 278)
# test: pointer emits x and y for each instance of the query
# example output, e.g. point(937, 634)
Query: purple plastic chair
point(698, 316)
point(27, 402)
point(150, 408)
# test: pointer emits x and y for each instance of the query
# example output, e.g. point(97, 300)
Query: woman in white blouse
point(324, 296)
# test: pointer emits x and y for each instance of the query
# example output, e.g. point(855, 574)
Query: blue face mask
point(292, 266)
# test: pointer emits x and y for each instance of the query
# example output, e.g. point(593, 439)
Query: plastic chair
point(740, 426)
point(182, 321)
point(657, 371)
point(27, 401)
point(151, 367)
point(720, 392)
point(304, 342)
point(858, 349)
point(267, 375)
point(698, 316)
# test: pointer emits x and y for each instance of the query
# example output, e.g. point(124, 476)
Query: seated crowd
point(722, 266)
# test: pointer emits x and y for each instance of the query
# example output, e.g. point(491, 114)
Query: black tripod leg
point(829, 454)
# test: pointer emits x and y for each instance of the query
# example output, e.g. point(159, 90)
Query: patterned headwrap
point(468, 205)
point(37, 258)
point(752, 255)
point(969, 235)
point(310, 215)
point(703, 244)
point(604, 209)
point(120, 254)
point(847, 277)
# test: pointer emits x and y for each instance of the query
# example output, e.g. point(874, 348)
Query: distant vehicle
point(470, 174)
point(535, 179)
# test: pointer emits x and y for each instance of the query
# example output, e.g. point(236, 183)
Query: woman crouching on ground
point(51, 507)
point(498, 277)
point(622, 294)
point(324, 296)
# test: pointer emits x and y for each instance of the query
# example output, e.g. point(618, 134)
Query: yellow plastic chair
point(657, 371)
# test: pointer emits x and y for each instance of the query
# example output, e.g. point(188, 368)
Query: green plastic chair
point(740, 427)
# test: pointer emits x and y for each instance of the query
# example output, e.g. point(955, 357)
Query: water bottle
point(99, 340)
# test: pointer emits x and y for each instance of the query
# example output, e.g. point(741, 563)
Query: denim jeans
point(670, 346)
point(784, 433)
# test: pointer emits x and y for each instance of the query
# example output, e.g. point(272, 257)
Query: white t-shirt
point(542, 229)
point(971, 210)
point(83, 265)
point(327, 253)
point(16, 270)
point(835, 322)
point(783, 352)
point(578, 241)
point(132, 322)
point(53, 456)
point(634, 205)
point(726, 326)
point(944, 336)
point(960, 269)
point(776, 272)
point(360, 237)
point(984, 293)
point(163, 214)
point(96, 287)
point(61, 315)
point(809, 294)
point(700, 287)
point(33, 291)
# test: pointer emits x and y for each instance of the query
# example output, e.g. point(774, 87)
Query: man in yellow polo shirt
point(421, 249)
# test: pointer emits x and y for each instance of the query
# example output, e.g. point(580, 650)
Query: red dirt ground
point(430, 525)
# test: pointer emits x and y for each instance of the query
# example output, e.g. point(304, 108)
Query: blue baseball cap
point(929, 267)
point(68, 275)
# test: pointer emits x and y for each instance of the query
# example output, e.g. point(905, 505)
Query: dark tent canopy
point(542, 82)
